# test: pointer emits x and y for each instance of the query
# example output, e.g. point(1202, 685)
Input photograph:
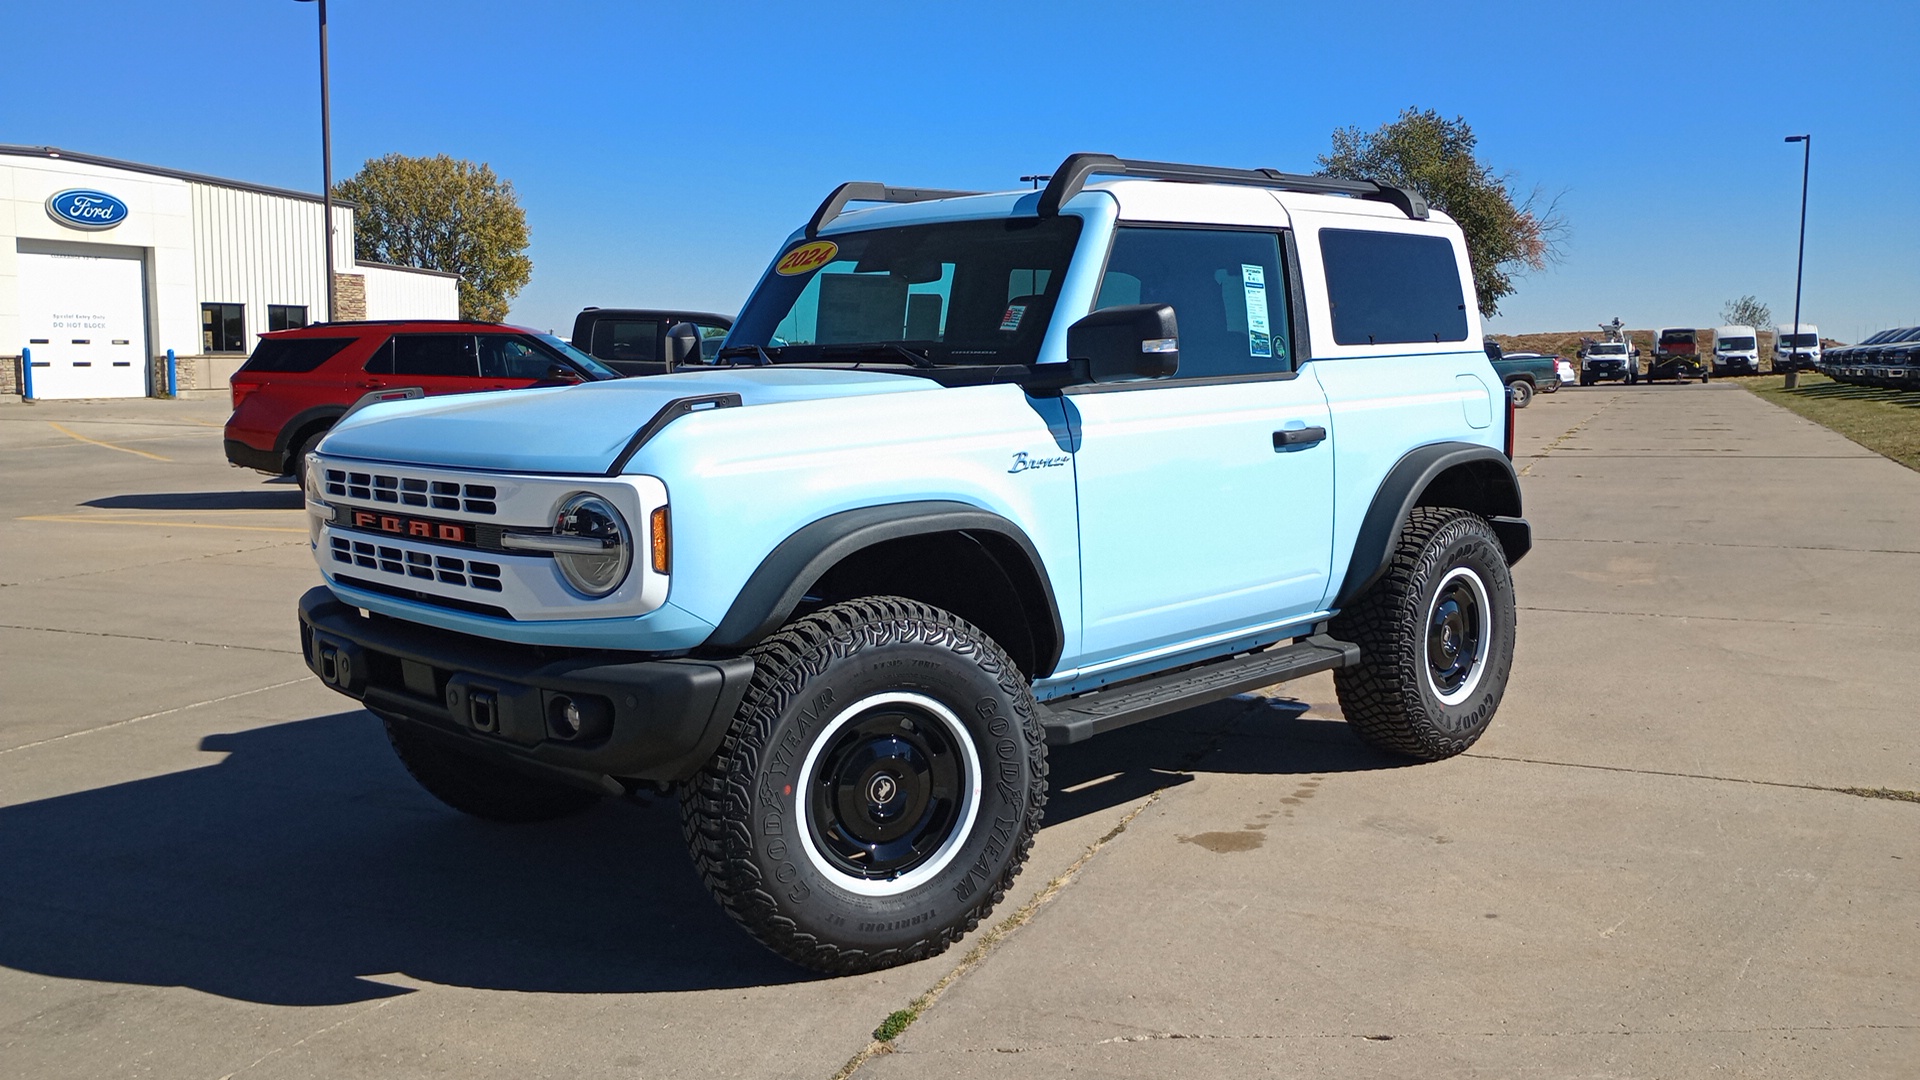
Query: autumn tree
point(438, 213)
point(1435, 157)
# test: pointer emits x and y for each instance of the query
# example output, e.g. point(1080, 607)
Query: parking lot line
point(125, 450)
point(83, 519)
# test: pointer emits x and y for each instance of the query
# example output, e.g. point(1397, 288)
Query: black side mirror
point(683, 345)
point(562, 373)
point(1134, 341)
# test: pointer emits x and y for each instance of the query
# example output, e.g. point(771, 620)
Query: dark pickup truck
point(1525, 374)
point(633, 341)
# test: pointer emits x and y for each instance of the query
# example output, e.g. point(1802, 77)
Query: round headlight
point(592, 518)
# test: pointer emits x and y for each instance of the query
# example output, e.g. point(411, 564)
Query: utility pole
point(1799, 266)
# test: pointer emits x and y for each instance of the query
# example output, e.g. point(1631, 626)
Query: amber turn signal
point(658, 527)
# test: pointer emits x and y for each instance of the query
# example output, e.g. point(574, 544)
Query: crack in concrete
point(1711, 544)
point(1548, 449)
point(1707, 618)
point(143, 637)
point(1895, 794)
point(1183, 1036)
point(154, 715)
point(919, 1006)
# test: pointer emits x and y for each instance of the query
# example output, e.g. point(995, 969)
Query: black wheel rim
point(887, 791)
point(1458, 625)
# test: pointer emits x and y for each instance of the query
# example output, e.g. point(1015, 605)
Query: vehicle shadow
point(305, 865)
point(1245, 735)
point(286, 498)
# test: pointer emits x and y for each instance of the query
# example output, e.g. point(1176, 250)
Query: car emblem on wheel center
point(882, 788)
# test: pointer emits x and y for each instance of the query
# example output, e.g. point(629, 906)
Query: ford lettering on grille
point(446, 532)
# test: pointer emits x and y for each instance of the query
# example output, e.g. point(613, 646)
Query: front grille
point(426, 566)
point(411, 491)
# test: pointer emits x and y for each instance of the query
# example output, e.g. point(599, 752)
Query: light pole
point(326, 159)
point(1800, 264)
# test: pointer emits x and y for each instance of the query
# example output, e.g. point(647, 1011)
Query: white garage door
point(85, 319)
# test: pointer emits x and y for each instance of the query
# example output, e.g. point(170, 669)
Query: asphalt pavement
point(1672, 854)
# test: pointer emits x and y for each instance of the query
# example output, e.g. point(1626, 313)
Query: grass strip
point(1886, 422)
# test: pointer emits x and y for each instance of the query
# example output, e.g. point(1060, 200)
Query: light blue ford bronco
point(974, 474)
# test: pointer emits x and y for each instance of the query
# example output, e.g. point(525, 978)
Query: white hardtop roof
point(1734, 331)
point(1145, 199)
point(1795, 328)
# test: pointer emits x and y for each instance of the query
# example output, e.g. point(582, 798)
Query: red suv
point(298, 382)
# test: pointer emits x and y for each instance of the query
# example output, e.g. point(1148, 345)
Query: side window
point(1389, 288)
point(434, 355)
point(711, 338)
point(504, 356)
point(1228, 291)
point(627, 339)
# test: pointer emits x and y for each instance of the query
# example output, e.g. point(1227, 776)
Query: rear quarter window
point(288, 356)
point(1389, 288)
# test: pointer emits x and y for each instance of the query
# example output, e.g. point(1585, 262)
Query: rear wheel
point(1522, 393)
point(1435, 636)
point(878, 792)
point(307, 446)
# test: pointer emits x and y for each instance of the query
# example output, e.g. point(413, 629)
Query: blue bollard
point(173, 376)
point(26, 374)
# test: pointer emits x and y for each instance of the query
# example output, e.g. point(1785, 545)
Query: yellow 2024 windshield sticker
point(806, 258)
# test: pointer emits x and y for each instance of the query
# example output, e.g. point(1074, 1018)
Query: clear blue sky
point(662, 150)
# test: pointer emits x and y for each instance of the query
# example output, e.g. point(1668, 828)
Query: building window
point(223, 328)
point(286, 316)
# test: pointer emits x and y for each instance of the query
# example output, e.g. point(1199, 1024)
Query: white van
point(1796, 347)
point(1736, 350)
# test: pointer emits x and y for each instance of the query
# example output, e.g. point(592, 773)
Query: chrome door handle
point(1305, 436)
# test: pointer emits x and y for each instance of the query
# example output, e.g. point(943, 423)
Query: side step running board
point(1073, 719)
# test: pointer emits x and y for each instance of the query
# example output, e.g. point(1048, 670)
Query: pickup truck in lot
point(975, 474)
point(1525, 373)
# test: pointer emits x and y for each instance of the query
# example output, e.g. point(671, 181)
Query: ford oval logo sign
point(83, 208)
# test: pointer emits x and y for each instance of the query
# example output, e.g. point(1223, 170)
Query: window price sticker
point(1259, 331)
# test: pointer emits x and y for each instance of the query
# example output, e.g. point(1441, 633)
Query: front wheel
point(1435, 636)
point(879, 789)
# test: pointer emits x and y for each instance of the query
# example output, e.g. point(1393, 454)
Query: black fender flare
point(782, 579)
point(1496, 490)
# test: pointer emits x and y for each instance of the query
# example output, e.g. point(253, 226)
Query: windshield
point(1676, 337)
point(594, 367)
point(1798, 341)
point(1737, 344)
point(968, 292)
point(1606, 350)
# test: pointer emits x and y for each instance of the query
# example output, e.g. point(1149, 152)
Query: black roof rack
point(1073, 173)
point(866, 191)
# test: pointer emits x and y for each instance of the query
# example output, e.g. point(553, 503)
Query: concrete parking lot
point(1678, 852)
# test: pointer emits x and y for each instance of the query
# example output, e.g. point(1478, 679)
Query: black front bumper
point(644, 718)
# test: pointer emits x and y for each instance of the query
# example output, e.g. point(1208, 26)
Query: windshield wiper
point(912, 357)
point(762, 359)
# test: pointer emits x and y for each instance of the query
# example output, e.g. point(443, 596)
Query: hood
point(573, 429)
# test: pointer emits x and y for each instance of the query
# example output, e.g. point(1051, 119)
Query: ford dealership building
point(107, 265)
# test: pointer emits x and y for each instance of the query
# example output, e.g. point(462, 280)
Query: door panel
point(1192, 523)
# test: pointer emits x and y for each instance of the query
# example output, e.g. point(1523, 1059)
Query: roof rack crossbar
point(1073, 174)
point(867, 191)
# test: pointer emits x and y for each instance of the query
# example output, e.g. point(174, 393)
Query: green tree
point(1747, 311)
point(437, 213)
point(1434, 156)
